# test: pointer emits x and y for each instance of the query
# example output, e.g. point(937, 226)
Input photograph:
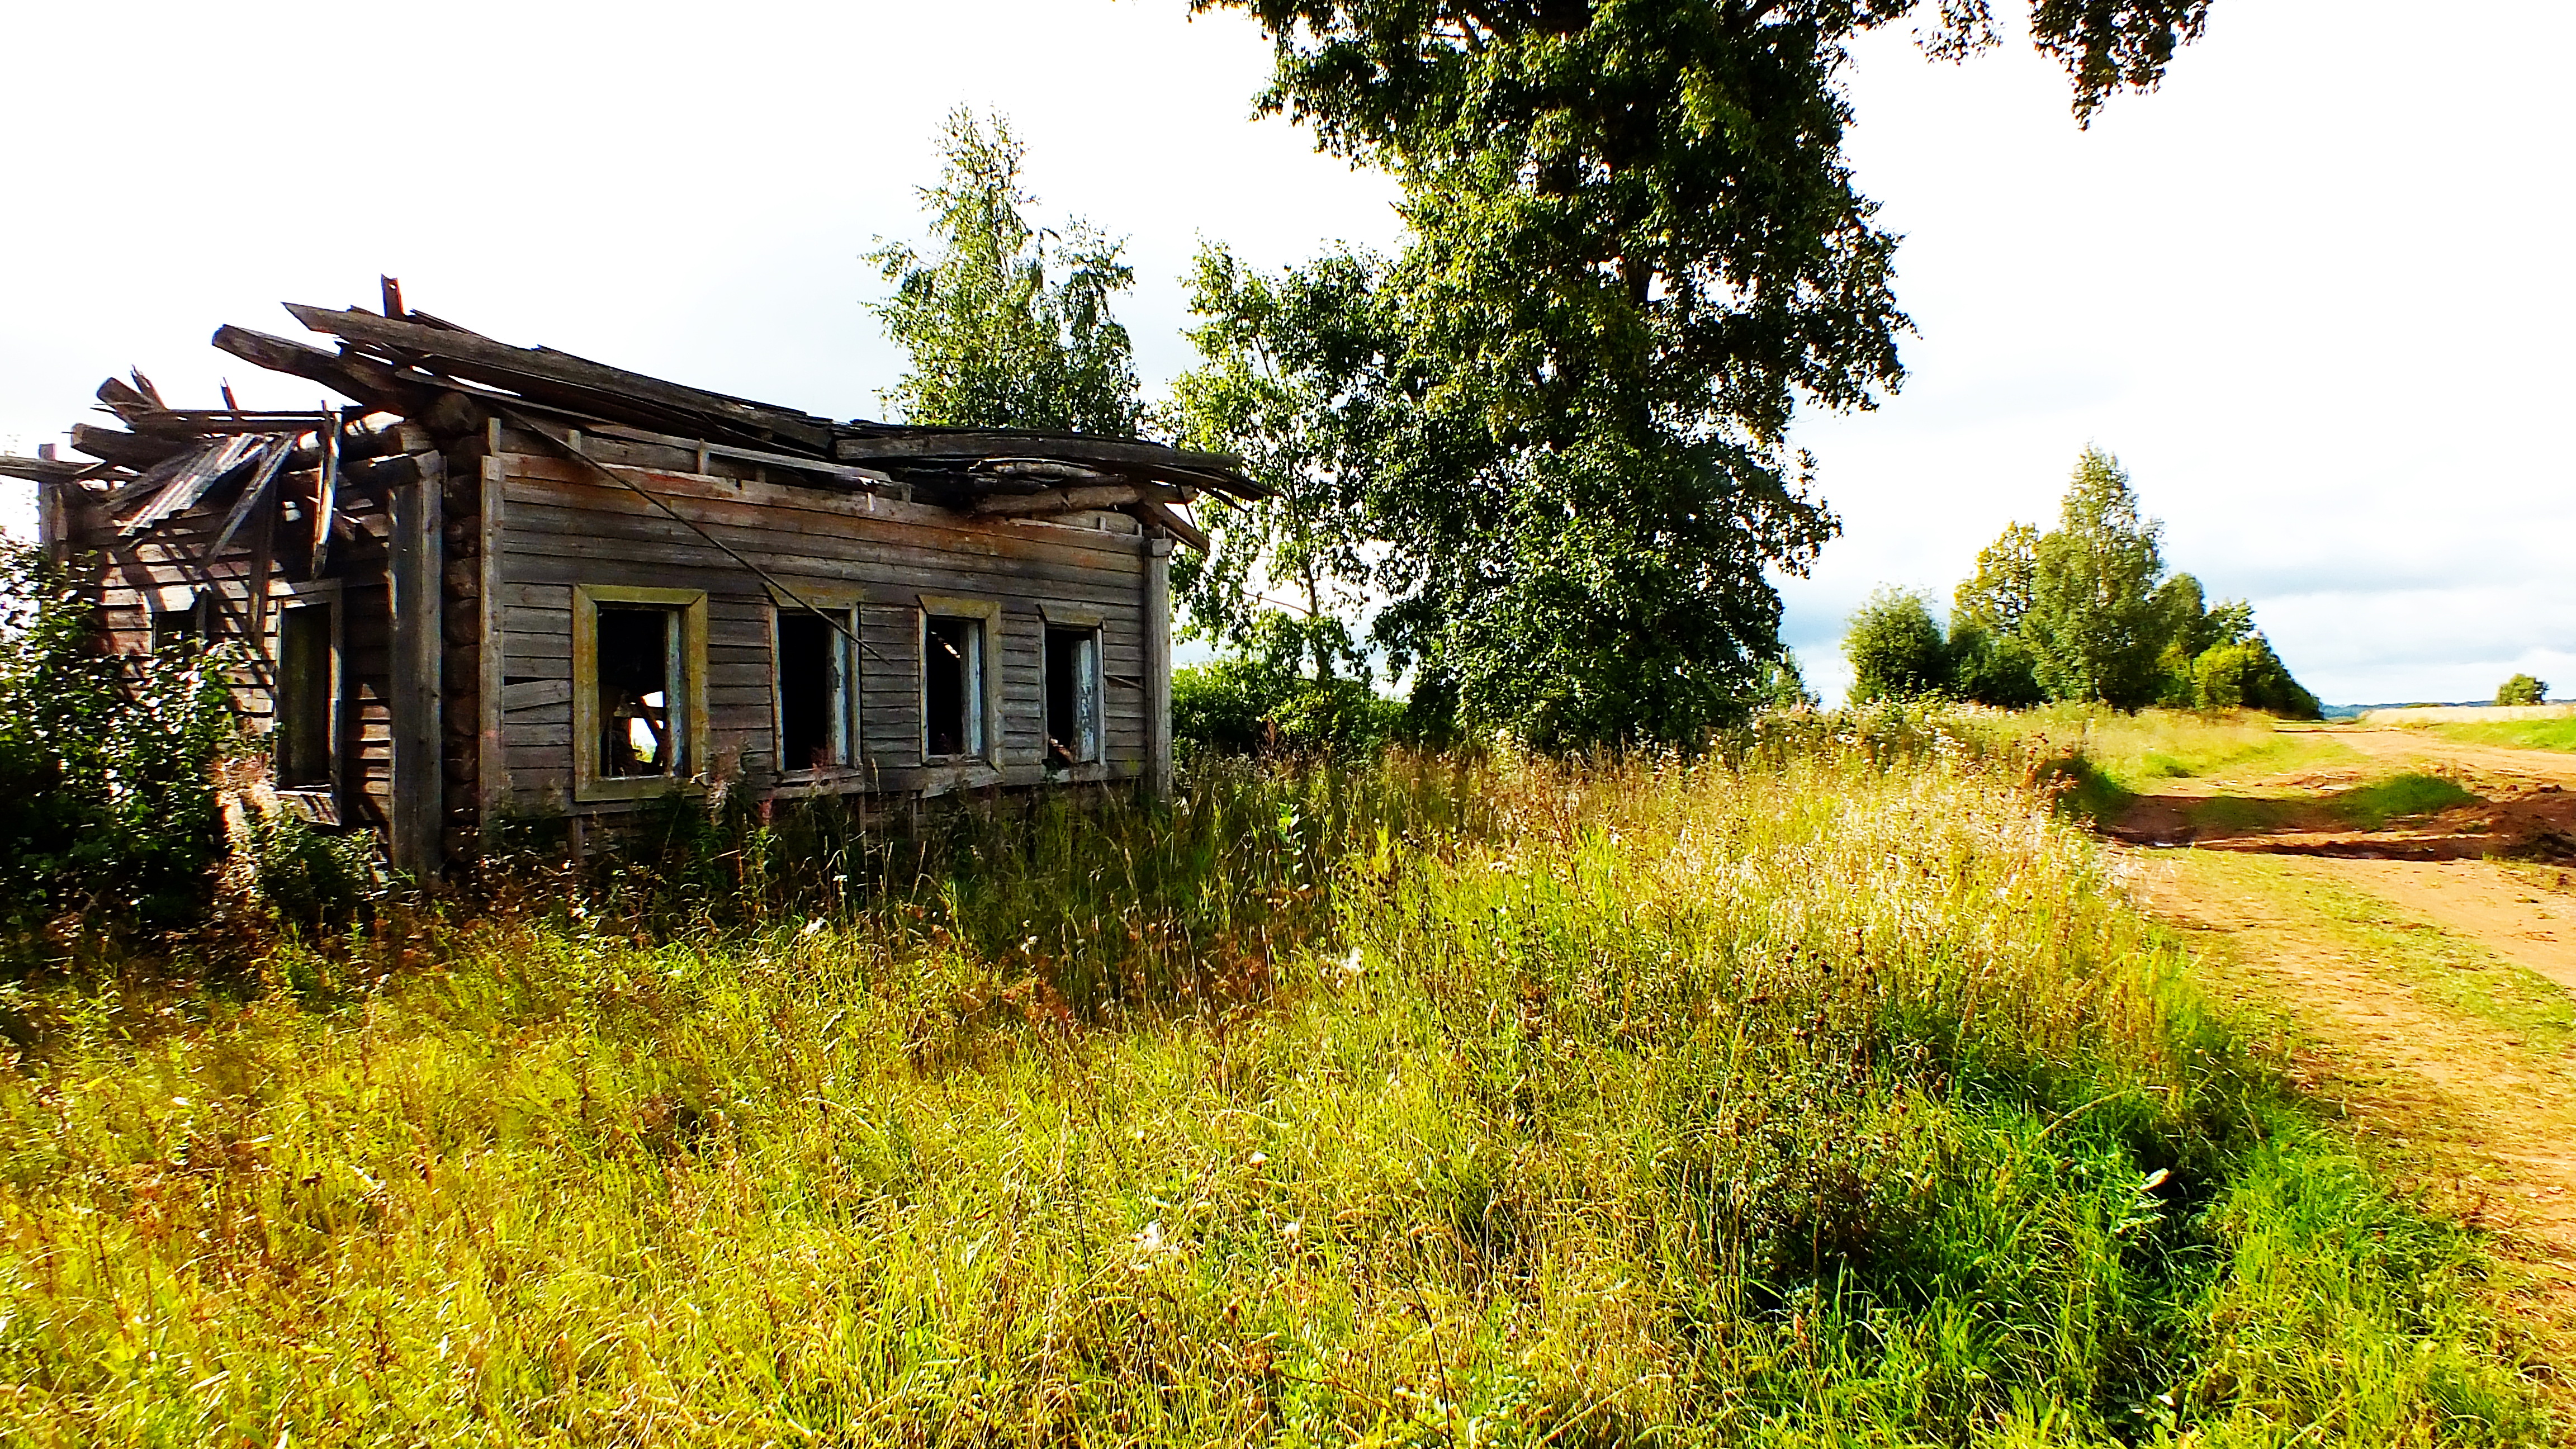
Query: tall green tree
point(2085, 612)
point(1008, 324)
point(1278, 357)
point(1635, 248)
point(2094, 621)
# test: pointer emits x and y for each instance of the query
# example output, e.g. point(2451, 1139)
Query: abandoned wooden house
point(510, 581)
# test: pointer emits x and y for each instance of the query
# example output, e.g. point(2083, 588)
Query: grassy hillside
point(2528, 734)
point(1503, 1104)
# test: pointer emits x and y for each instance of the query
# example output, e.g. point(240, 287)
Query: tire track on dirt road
point(2479, 1105)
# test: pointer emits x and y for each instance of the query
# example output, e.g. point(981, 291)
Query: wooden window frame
point(944, 606)
point(690, 605)
point(284, 596)
point(1077, 621)
point(844, 606)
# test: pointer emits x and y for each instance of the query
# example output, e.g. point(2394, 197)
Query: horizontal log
point(940, 445)
point(131, 449)
point(1065, 500)
point(474, 356)
point(580, 509)
point(41, 470)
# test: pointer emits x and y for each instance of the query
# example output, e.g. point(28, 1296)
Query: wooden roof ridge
point(406, 364)
point(415, 340)
point(477, 358)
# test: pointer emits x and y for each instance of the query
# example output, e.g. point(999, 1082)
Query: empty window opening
point(1072, 696)
point(182, 629)
point(952, 685)
point(640, 713)
point(304, 697)
point(814, 693)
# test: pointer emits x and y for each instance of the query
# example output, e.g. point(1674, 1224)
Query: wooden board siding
point(560, 525)
point(128, 579)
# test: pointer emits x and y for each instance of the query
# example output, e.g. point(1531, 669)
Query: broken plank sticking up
point(280, 449)
point(192, 480)
point(124, 400)
point(327, 500)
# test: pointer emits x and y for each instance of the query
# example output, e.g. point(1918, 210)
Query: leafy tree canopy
point(1895, 649)
point(1997, 596)
point(2522, 689)
point(2086, 612)
point(2094, 620)
point(1008, 324)
point(1550, 436)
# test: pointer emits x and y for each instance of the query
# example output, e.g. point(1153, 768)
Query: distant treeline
point(2083, 612)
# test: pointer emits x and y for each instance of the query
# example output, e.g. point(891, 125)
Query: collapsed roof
point(447, 379)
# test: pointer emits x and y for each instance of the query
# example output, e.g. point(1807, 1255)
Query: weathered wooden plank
point(1158, 666)
point(965, 445)
point(564, 483)
point(1021, 542)
point(778, 548)
point(471, 355)
point(537, 694)
point(678, 566)
point(492, 766)
point(359, 378)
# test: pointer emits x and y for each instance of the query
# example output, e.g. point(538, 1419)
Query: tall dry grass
point(1494, 1102)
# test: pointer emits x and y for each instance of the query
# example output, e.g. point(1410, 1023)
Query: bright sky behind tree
point(2314, 293)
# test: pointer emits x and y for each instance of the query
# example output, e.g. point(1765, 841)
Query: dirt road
point(2433, 982)
point(2496, 870)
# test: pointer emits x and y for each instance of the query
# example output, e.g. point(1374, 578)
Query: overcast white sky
point(2313, 293)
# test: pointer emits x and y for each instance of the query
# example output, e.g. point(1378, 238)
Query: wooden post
point(1158, 665)
point(53, 532)
point(492, 767)
point(417, 577)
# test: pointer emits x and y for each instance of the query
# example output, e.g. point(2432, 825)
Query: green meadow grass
point(2529, 734)
point(2164, 744)
point(1833, 1098)
point(2398, 797)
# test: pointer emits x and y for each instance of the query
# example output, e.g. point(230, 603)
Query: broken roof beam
point(944, 447)
point(363, 379)
point(198, 423)
point(134, 450)
point(190, 481)
point(1151, 512)
point(124, 400)
point(41, 470)
point(1070, 500)
point(471, 355)
point(838, 472)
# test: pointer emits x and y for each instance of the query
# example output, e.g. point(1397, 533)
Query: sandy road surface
point(2459, 1096)
point(2555, 767)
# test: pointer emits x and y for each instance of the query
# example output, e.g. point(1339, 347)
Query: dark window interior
point(1072, 696)
point(180, 629)
point(639, 714)
point(811, 693)
point(303, 700)
point(951, 701)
